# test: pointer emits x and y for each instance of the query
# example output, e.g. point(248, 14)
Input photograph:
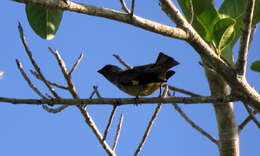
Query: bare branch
point(123, 62)
point(54, 110)
point(76, 64)
point(245, 122)
point(239, 85)
point(183, 91)
point(123, 101)
point(65, 73)
point(124, 7)
point(36, 90)
point(132, 8)
point(37, 68)
point(251, 114)
point(118, 130)
point(96, 91)
point(245, 38)
point(203, 132)
point(92, 94)
point(49, 82)
point(90, 122)
point(112, 14)
point(150, 124)
point(110, 120)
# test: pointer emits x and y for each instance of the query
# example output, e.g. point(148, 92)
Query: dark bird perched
point(141, 80)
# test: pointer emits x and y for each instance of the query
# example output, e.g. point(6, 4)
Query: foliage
point(220, 28)
point(45, 22)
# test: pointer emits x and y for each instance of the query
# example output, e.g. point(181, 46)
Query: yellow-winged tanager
point(141, 80)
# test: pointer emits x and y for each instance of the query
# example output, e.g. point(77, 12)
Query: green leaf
point(205, 16)
point(227, 55)
point(256, 18)
point(255, 66)
point(45, 22)
point(223, 33)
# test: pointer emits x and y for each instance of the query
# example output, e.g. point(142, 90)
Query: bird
point(141, 80)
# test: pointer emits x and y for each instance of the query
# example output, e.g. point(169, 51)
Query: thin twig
point(37, 68)
point(110, 120)
point(29, 82)
point(65, 73)
point(90, 122)
point(92, 94)
point(132, 8)
point(49, 82)
point(201, 100)
point(122, 62)
point(245, 38)
point(90, 97)
point(54, 110)
point(251, 114)
point(245, 122)
point(124, 7)
point(183, 91)
point(150, 124)
point(118, 130)
point(96, 91)
point(72, 89)
point(76, 64)
point(186, 118)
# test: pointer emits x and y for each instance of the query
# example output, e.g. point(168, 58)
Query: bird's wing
point(136, 77)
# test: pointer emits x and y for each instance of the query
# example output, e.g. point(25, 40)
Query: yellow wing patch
point(134, 82)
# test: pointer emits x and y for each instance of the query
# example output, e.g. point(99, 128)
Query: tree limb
point(150, 124)
point(118, 131)
point(37, 68)
point(245, 39)
point(112, 14)
point(122, 101)
point(195, 126)
point(239, 85)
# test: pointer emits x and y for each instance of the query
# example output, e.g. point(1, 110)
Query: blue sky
point(29, 130)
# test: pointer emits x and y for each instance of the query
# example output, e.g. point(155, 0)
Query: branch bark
point(239, 85)
point(184, 31)
point(122, 101)
point(227, 126)
point(112, 14)
point(245, 39)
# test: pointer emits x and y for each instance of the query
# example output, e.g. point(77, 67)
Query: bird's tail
point(165, 62)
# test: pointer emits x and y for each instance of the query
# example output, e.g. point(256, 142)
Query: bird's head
point(109, 69)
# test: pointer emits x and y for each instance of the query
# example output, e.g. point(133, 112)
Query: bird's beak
point(100, 71)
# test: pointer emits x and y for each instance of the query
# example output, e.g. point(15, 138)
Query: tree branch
point(245, 38)
point(183, 91)
point(118, 131)
point(76, 64)
point(123, 62)
point(29, 82)
point(90, 122)
point(195, 126)
point(51, 83)
point(239, 85)
point(150, 124)
point(122, 101)
point(112, 14)
point(37, 68)
point(110, 120)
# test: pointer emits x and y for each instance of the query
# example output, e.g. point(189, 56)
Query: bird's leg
point(137, 96)
point(160, 93)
